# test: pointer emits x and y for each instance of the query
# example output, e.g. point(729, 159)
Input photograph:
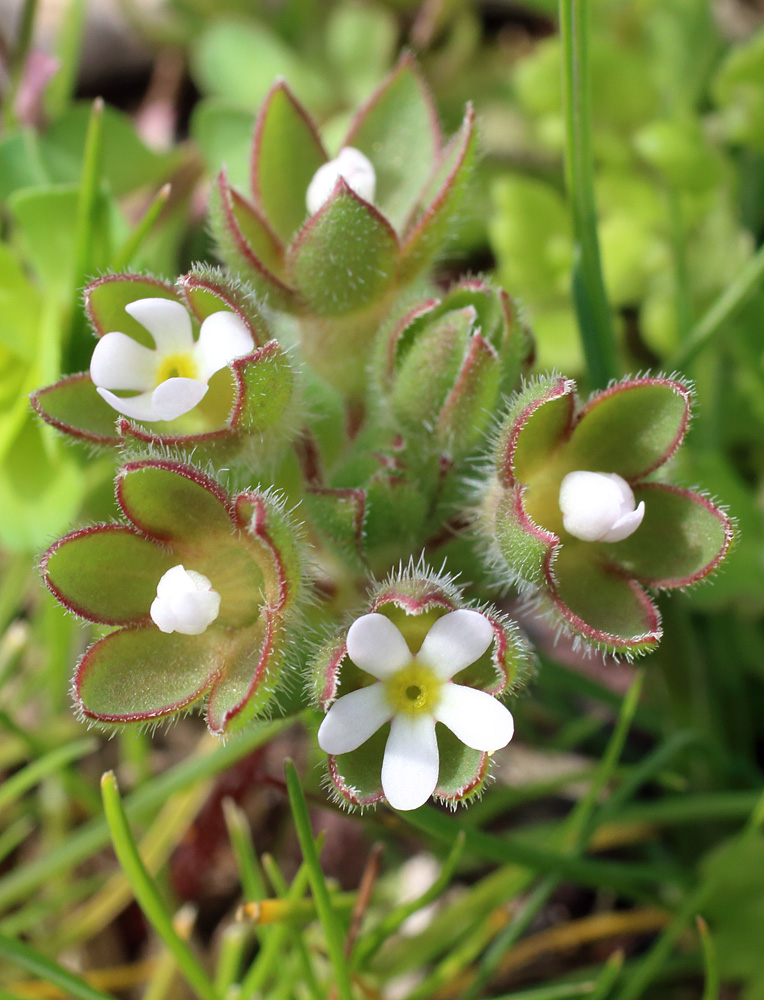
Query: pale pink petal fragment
point(136, 407)
point(223, 337)
point(475, 717)
point(354, 718)
point(410, 765)
point(377, 646)
point(176, 396)
point(119, 362)
point(455, 641)
point(167, 321)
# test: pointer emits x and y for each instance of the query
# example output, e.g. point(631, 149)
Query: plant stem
point(590, 299)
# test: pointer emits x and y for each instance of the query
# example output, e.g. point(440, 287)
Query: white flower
point(172, 378)
point(353, 167)
point(412, 693)
point(599, 506)
point(185, 602)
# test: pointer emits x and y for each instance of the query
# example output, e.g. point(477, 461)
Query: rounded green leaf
point(106, 574)
point(247, 676)
point(683, 537)
point(536, 424)
point(631, 428)
point(462, 769)
point(265, 389)
point(345, 257)
point(137, 675)
point(74, 407)
point(600, 603)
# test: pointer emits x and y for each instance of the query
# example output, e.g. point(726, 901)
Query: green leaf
point(74, 407)
point(106, 298)
point(171, 502)
point(20, 307)
point(224, 136)
point(601, 604)
point(462, 769)
point(208, 290)
point(339, 515)
point(286, 154)
point(246, 244)
point(266, 383)
point(360, 44)
point(631, 428)
point(127, 163)
point(441, 200)
point(34, 962)
point(398, 130)
point(345, 257)
point(682, 538)
point(522, 544)
point(537, 422)
point(239, 60)
point(20, 163)
point(46, 221)
point(247, 677)
point(136, 675)
point(106, 574)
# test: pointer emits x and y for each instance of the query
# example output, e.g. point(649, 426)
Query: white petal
point(167, 321)
point(137, 407)
point(625, 491)
point(377, 646)
point(222, 338)
point(410, 765)
point(475, 717)
point(625, 525)
point(119, 362)
point(350, 164)
point(353, 718)
point(175, 581)
point(176, 396)
point(454, 641)
point(194, 611)
point(591, 503)
point(162, 615)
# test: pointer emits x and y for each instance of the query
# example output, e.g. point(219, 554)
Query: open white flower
point(172, 378)
point(412, 693)
point(599, 506)
point(355, 169)
point(185, 602)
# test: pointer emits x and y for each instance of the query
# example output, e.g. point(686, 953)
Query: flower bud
point(599, 506)
point(185, 602)
point(353, 167)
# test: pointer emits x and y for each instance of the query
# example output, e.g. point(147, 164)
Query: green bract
point(246, 547)
point(597, 589)
point(413, 601)
point(444, 366)
point(248, 403)
point(339, 268)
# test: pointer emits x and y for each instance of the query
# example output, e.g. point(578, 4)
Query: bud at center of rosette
point(201, 588)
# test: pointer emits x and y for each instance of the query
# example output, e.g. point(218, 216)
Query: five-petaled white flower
point(185, 602)
point(353, 167)
point(599, 506)
point(172, 378)
point(412, 693)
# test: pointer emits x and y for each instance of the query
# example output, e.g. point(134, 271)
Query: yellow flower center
point(414, 689)
point(177, 366)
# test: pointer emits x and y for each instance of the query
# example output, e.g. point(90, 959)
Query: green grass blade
point(146, 892)
point(592, 307)
point(124, 256)
point(710, 962)
point(326, 914)
point(14, 787)
point(36, 964)
point(139, 806)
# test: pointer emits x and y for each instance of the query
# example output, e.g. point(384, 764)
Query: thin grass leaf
point(14, 787)
point(146, 892)
point(710, 961)
point(37, 964)
point(123, 258)
point(324, 906)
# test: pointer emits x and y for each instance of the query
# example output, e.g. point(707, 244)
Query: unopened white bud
point(355, 169)
point(599, 506)
point(185, 602)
